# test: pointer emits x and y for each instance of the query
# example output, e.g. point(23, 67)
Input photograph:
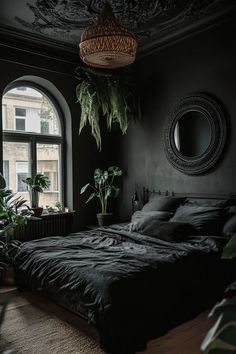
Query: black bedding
point(130, 286)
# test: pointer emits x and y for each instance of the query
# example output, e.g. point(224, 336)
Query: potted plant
point(111, 95)
point(103, 189)
point(8, 251)
point(36, 185)
point(10, 218)
point(59, 207)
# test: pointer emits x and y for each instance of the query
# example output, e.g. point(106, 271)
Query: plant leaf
point(83, 189)
point(2, 182)
point(112, 192)
point(28, 181)
point(114, 170)
point(231, 287)
point(98, 176)
point(224, 305)
point(223, 334)
point(109, 94)
point(229, 250)
point(91, 197)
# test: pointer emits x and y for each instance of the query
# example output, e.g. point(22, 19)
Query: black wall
point(205, 62)
point(55, 72)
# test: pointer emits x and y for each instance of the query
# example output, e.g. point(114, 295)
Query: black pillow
point(206, 220)
point(222, 203)
point(162, 203)
point(158, 215)
point(171, 232)
point(230, 226)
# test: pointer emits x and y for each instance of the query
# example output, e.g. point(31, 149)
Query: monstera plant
point(221, 339)
point(36, 185)
point(111, 95)
point(103, 189)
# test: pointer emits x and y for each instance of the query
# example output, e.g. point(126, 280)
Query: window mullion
point(33, 153)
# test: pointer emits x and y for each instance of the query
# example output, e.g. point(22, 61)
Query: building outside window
point(32, 141)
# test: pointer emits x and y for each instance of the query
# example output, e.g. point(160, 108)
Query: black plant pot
point(37, 211)
point(105, 219)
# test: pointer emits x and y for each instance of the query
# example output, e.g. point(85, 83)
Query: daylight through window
point(32, 141)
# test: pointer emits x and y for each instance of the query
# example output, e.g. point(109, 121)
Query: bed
point(131, 285)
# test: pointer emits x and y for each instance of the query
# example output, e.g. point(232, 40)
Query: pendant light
point(106, 44)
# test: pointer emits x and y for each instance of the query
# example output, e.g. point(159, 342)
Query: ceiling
point(154, 22)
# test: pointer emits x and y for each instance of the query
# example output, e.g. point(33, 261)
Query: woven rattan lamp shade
point(106, 44)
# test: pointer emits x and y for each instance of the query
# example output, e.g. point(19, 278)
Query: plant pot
point(34, 198)
point(105, 219)
point(37, 211)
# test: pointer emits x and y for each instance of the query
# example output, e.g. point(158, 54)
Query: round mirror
point(192, 134)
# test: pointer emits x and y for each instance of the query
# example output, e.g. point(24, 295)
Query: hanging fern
point(103, 94)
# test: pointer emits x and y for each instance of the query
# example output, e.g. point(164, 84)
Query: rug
point(35, 325)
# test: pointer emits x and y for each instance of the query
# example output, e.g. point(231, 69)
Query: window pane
point(48, 163)
point(16, 166)
point(22, 173)
point(20, 124)
point(39, 113)
point(44, 127)
point(20, 112)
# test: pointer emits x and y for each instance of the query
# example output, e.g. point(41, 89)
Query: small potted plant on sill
point(36, 185)
point(103, 189)
point(59, 207)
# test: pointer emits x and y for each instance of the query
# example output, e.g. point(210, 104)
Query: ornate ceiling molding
point(153, 21)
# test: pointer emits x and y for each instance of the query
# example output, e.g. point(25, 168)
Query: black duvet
point(130, 286)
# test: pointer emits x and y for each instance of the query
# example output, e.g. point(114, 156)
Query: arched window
point(32, 140)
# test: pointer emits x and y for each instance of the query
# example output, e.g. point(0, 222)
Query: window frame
point(33, 138)
point(4, 115)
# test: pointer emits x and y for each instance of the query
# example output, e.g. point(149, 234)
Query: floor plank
point(184, 339)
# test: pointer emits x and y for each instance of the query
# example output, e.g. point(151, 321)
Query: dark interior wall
point(204, 62)
point(57, 75)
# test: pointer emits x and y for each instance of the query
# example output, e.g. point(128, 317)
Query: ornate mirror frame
point(207, 106)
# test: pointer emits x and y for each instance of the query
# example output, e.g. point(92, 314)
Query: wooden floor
point(184, 339)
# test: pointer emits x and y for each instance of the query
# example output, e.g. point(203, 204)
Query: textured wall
point(206, 63)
